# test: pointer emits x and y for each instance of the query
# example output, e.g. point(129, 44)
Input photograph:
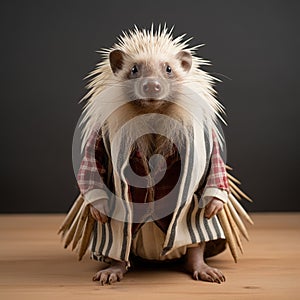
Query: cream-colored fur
point(192, 91)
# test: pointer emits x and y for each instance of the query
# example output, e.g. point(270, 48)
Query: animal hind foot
point(196, 266)
point(111, 274)
point(207, 273)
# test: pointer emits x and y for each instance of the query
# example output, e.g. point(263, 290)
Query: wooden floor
point(33, 265)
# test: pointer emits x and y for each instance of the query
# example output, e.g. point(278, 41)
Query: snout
point(151, 87)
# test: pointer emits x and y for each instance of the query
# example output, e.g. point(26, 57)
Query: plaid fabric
point(217, 176)
point(95, 160)
point(93, 165)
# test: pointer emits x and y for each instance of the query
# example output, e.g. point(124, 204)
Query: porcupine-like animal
point(151, 95)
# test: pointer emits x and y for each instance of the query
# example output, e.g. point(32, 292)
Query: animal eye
point(134, 69)
point(168, 69)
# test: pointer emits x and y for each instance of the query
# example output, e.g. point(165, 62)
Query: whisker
point(222, 75)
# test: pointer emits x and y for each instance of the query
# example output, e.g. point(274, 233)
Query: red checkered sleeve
point(217, 176)
point(93, 169)
point(216, 183)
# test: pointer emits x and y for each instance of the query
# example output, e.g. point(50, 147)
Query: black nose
point(151, 87)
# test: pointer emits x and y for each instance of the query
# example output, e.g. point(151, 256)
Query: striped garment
point(164, 238)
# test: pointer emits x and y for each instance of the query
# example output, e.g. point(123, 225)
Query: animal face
point(152, 77)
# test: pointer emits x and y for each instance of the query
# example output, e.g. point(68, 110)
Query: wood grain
point(34, 265)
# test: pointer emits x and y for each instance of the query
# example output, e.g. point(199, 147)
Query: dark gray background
point(47, 47)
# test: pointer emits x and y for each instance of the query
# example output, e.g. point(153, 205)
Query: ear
point(116, 59)
point(185, 59)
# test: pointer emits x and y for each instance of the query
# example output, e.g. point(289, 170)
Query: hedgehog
point(152, 178)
